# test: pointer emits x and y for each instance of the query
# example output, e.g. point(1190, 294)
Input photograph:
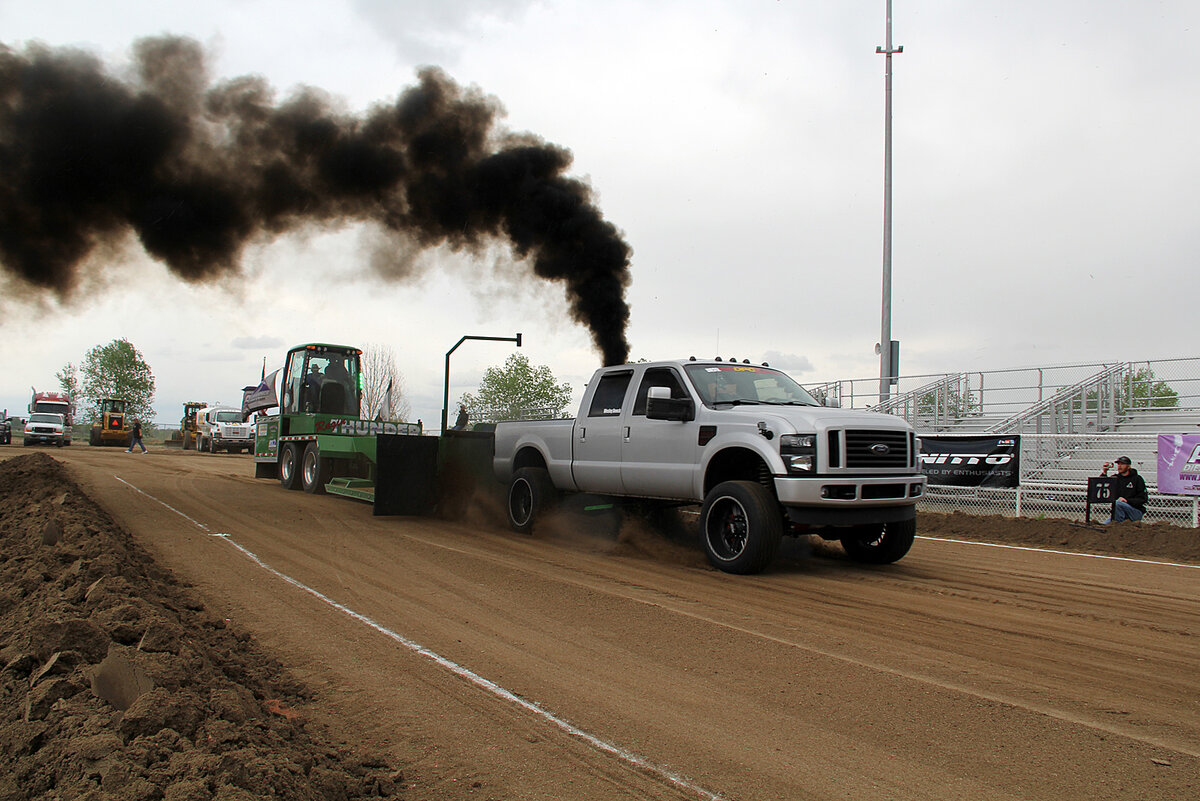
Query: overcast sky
point(1045, 172)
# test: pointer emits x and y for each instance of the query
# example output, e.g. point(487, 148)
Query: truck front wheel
point(741, 526)
point(529, 494)
point(881, 543)
point(314, 471)
point(289, 467)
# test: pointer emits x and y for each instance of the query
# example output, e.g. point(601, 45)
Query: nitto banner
point(972, 461)
point(1179, 464)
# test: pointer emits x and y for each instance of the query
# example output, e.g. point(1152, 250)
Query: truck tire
point(530, 493)
point(741, 526)
point(880, 543)
point(315, 471)
point(289, 466)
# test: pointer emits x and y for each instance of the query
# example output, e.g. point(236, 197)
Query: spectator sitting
point(1130, 489)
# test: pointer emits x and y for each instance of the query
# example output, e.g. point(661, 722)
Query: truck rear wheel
point(741, 526)
point(530, 493)
point(314, 470)
point(289, 466)
point(880, 543)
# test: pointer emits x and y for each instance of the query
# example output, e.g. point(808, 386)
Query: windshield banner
point(972, 461)
point(1179, 464)
point(261, 397)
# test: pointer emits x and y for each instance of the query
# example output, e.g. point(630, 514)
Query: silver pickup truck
point(745, 441)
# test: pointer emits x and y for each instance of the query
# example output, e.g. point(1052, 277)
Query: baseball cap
point(1123, 460)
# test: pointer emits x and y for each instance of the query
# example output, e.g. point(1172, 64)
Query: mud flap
point(405, 474)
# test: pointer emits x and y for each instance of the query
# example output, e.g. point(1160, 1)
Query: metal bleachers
point(1070, 418)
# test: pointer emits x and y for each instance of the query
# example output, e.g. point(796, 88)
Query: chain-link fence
point(1044, 499)
point(1053, 481)
point(483, 414)
point(1071, 419)
point(1069, 397)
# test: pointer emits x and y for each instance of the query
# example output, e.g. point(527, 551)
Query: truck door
point(599, 436)
point(660, 457)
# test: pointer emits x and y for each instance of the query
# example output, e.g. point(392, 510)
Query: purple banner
point(1179, 464)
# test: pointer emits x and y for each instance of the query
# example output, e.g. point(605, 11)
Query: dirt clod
point(117, 683)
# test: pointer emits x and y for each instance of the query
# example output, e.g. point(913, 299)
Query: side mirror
point(661, 406)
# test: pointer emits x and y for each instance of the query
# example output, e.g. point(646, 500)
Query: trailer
point(319, 443)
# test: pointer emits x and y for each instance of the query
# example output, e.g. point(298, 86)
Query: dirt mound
point(117, 683)
point(1157, 541)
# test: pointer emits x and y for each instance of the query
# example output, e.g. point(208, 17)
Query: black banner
point(972, 460)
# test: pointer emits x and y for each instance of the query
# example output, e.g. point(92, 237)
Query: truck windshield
point(46, 418)
point(745, 383)
point(229, 417)
point(322, 380)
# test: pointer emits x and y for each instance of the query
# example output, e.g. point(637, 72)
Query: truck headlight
point(799, 452)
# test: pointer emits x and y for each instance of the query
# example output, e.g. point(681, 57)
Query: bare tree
point(379, 372)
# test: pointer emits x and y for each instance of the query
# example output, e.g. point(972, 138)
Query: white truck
point(222, 428)
point(745, 441)
point(47, 427)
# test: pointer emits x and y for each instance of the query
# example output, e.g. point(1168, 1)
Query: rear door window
point(609, 397)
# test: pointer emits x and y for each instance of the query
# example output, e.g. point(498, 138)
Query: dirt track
point(635, 671)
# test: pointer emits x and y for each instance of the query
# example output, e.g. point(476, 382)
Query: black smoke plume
point(198, 170)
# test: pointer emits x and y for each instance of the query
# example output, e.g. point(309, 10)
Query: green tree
point(517, 390)
point(68, 381)
point(118, 370)
point(1138, 390)
point(950, 403)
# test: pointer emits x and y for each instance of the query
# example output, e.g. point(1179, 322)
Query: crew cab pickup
point(45, 427)
point(748, 443)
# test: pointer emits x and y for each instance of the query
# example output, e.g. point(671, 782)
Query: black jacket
point(1131, 487)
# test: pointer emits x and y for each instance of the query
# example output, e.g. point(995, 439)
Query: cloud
point(790, 362)
point(257, 343)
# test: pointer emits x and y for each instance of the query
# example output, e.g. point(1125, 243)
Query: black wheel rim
point(872, 540)
point(727, 529)
point(520, 502)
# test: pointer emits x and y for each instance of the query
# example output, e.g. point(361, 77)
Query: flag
point(386, 408)
point(260, 397)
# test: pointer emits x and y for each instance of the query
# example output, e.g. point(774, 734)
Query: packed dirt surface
point(171, 628)
point(1136, 540)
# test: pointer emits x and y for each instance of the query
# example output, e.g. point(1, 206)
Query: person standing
point(461, 422)
point(1130, 489)
point(135, 438)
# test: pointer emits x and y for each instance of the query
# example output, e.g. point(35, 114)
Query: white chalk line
point(455, 668)
point(1064, 553)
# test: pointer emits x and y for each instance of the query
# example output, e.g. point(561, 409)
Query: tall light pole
point(888, 351)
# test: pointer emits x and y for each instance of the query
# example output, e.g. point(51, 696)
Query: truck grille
point(876, 449)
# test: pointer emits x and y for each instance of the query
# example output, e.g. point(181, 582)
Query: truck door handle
point(626, 432)
point(583, 433)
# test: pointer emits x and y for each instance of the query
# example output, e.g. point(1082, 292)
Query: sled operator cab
point(322, 379)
